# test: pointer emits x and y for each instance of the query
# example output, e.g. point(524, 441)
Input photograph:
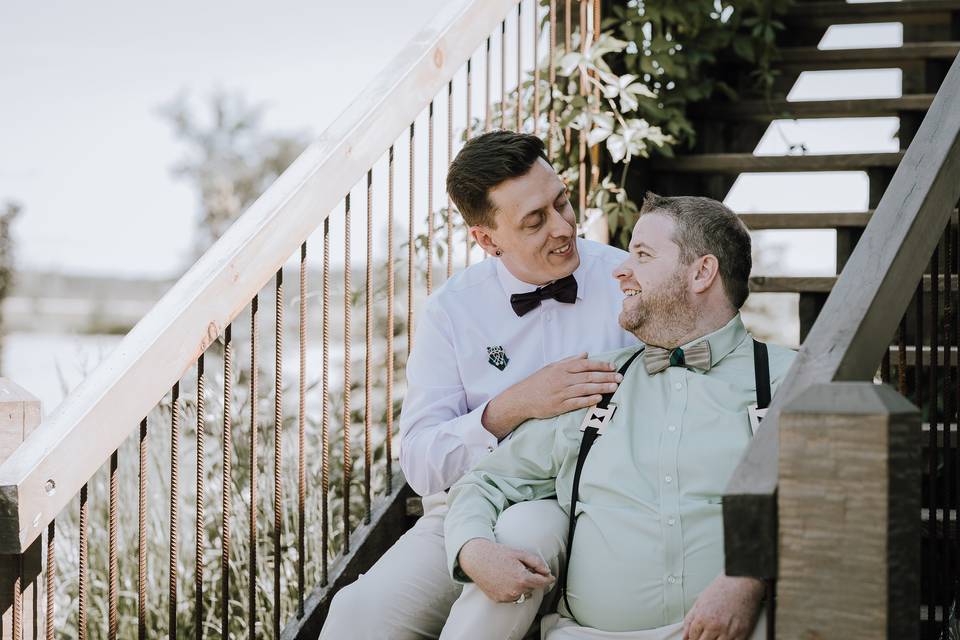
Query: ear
point(484, 238)
point(703, 273)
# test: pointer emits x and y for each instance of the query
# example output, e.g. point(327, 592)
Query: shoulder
point(477, 279)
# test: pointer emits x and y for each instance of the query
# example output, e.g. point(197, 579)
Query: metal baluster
point(368, 339)
point(503, 74)
point(486, 104)
point(582, 135)
point(174, 507)
point(449, 160)
point(410, 252)
point(902, 356)
point(347, 379)
point(51, 574)
point(390, 294)
point(568, 47)
point(252, 461)
point(932, 418)
point(536, 69)
point(112, 552)
point(552, 114)
point(141, 536)
point(301, 432)
point(430, 199)
point(18, 600)
point(227, 483)
point(952, 471)
point(277, 448)
point(82, 586)
point(466, 240)
point(519, 65)
point(949, 336)
point(325, 424)
point(200, 529)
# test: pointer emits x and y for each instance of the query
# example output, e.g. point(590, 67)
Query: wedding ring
point(521, 599)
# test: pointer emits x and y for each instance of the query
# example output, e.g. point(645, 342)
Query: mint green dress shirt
point(649, 531)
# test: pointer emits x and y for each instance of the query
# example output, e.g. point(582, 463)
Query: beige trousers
point(555, 627)
point(409, 595)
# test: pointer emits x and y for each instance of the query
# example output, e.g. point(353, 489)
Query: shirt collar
point(722, 341)
point(511, 284)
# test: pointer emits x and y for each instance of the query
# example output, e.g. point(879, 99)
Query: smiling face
point(657, 307)
point(535, 228)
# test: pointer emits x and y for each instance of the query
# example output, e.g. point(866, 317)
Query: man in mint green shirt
point(647, 559)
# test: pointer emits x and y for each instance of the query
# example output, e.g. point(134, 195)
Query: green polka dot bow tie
point(657, 359)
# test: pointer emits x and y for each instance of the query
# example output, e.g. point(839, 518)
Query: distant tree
point(229, 160)
point(10, 211)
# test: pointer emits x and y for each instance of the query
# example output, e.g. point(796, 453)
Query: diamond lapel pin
point(498, 357)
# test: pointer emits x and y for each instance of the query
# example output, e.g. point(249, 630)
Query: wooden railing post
point(19, 573)
point(849, 503)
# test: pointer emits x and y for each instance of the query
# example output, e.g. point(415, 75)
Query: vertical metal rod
point(536, 69)
point(367, 352)
point(252, 461)
point(902, 356)
point(347, 379)
point(142, 536)
point(449, 160)
point(552, 114)
point(918, 347)
point(18, 600)
point(112, 618)
point(51, 572)
point(174, 506)
point(201, 519)
point(390, 293)
point(227, 482)
point(325, 421)
point(301, 433)
point(932, 417)
point(952, 472)
point(885, 367)
point(410, 247)
point(467, 243)
point(519, 66)
point(430, 199)
point(503, 74)
point(82, 586)
point(50, 577)
point(949, 337)
point(568, 47)
point(582, 135)
point(277, 448)
point(486, 100)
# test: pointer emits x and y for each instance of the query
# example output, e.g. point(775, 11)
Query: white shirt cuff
point(475, 436)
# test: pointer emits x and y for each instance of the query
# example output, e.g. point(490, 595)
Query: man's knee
point(538, 526)
point(350, 607)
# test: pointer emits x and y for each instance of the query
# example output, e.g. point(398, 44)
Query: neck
point(705, 322)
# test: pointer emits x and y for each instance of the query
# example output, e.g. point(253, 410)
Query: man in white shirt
point(501, 342)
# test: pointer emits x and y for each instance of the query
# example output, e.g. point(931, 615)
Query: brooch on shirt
point(498, 357)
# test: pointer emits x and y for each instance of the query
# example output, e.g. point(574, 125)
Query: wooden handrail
point(47, 471)
point(858, 319)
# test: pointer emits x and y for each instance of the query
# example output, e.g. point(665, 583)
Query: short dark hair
point(482, 164)
point(706, 226)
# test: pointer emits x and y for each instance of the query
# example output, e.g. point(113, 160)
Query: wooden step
point(813, 59)
point(806, 220)
point(824, 14)
point(767, 110)
point(749, 163)
point(816, 284)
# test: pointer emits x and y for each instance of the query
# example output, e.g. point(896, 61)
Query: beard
point(662, 315)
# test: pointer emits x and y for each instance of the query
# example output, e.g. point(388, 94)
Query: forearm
point(506, 412)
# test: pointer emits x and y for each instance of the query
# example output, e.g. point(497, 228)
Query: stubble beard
point(661, 316)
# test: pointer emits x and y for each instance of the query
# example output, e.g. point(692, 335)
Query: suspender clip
point(598, 417)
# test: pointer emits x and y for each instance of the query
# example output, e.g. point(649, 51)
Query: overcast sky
point(83, 148)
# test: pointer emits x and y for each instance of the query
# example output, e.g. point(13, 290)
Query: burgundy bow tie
point(562, 290)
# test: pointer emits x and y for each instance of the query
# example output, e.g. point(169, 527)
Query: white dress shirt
point(450, 377)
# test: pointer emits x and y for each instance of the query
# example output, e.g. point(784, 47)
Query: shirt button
point(672, 579)
point(490, 449)
point(678, 386)
point(671, 521)
point(668, 479)
point(672, 428)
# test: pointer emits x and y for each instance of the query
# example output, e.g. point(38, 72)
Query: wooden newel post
point(19, 574)
point(849, 513)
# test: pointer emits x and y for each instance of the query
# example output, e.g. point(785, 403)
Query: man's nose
point(621, 271)
point(559, 226)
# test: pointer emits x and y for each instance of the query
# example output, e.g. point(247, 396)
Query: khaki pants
point(555, 627)
point(408, 594)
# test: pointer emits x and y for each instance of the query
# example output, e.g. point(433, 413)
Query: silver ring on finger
point(521, 599)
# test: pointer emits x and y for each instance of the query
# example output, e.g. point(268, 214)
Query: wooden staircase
point(728, 134)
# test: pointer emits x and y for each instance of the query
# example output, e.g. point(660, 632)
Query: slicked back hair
point(482, 164)
point(705, 226)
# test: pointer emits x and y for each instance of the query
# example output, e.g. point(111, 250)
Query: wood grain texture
point(859, 317)
point(767, 110)
point(727, 163)
point(848, 501)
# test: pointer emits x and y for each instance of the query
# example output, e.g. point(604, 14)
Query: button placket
point(670, 492)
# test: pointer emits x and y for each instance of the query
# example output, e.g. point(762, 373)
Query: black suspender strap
point(761, 369)
point(596, 417)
